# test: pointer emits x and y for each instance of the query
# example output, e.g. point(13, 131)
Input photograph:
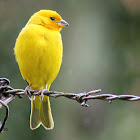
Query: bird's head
point(49, 19)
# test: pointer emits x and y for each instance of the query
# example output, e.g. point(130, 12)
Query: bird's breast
point(39, 55)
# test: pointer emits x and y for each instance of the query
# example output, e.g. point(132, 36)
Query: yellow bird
point(38, 51)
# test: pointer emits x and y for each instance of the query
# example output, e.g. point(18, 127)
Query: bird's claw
point(28, 93)
point(84, 103)
point(42, 94)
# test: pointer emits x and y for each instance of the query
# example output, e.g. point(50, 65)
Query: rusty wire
point(7, 94)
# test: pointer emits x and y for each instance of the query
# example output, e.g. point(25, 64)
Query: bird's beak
point(63, 23)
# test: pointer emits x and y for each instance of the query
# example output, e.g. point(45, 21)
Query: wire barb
point(7, 94)
point(6, 116)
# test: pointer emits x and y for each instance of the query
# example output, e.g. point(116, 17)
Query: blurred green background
point(101, 50)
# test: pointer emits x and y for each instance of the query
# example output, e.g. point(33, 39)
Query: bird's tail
point(41, 113)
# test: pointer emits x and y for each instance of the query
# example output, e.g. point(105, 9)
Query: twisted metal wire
point(7, 94)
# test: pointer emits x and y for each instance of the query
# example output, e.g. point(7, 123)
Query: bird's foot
point(28, 93)
point(42, 94)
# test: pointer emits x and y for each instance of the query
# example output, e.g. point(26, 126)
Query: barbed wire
point(7, 94)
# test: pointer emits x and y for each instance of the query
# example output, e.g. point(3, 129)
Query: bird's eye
point(52, 18)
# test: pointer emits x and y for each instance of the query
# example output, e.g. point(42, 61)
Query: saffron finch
point(38, 51)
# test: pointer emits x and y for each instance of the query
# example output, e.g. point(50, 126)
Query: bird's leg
point(42, 92)
point(28, 92)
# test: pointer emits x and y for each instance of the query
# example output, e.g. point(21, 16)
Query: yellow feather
point(38, 51)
